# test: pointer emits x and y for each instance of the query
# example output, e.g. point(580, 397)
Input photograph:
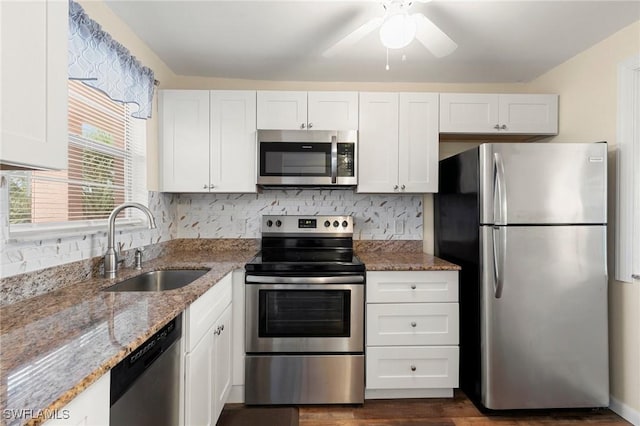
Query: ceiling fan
point(398, 28)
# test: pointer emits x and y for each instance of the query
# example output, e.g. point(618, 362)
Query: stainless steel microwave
point(307, 158)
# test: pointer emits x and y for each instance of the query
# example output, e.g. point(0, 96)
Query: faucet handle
point(138, 258)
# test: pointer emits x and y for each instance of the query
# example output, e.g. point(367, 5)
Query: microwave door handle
point(334, 160)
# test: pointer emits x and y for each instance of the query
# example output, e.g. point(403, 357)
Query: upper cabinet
point(286, 110)
point(207, 141)
point(398, 142)
point(514, 114)
point(34, 84)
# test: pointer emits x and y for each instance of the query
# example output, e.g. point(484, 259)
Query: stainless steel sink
point(167, 279)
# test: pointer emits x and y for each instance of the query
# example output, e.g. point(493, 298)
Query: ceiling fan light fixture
point(397, 31)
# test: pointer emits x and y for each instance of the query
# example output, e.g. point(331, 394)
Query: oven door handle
point(347, 279)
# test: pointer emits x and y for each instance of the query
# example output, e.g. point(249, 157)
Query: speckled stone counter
point(402, 255)
point(404, 261)
point(56, 344)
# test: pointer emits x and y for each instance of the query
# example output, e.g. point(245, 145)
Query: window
point(107, 166)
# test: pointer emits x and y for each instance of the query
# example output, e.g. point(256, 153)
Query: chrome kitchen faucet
point(111, 256)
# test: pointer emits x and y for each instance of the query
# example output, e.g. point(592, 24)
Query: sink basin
point(168, 279)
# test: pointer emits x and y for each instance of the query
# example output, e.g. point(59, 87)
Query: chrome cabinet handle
point(503, 127)
point(205, 186)
point(303, 125)
point(217, 331)
point(413, 324)
point(413, 286)
point(212, 186)
point(635, 276)
point(413, 368)
point(334, 159)
point(395, 187)
point(310, 125)
point(403, 187)
point(497, 127)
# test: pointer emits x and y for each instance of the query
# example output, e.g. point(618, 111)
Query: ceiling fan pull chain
point(387, 67)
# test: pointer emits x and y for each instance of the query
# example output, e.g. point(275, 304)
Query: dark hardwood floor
point(458, 411)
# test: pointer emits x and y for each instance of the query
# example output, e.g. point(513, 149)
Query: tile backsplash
point(376, 217)
point(20, 255)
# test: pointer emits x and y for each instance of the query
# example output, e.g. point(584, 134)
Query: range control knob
point(345, 224)
point(336, 223)
point(278, 223)
point(269, 223)
point(327, 224)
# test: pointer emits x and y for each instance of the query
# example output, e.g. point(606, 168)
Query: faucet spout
point(111, 256)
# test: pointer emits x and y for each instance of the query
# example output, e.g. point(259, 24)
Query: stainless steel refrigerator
point(527, 223)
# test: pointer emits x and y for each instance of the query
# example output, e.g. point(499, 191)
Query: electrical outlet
point(399, 226)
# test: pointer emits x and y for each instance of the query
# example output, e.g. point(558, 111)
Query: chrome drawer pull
point(413, 368)
point(413, 324)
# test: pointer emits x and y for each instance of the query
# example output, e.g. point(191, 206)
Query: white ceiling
point(498, 41)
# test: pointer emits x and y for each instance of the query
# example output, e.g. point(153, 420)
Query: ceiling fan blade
point(351, 39)
point(432, 37)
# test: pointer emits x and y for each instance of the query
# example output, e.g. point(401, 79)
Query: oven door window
point(304, 313)
point(295, 159)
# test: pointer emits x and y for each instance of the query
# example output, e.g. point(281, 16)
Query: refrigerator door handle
point(499, 191)
point(499, 249)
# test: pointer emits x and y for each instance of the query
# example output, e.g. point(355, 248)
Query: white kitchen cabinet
point(398, 142)
point(207, 359)
point(34, 84)
point(222, 367)
point(482, 113)
point(287, 110)
point(207, 141)
point(412, 334)
point(91, 407)
point(238, 351)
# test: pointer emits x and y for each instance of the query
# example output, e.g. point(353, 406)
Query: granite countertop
point(404, 261)
point(55, 345)
point(403, 255)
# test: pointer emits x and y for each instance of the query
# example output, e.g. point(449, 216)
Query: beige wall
point(587, 85)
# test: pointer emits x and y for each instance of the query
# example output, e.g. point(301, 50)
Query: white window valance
point(101, 62)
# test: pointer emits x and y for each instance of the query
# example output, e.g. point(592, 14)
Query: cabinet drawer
point(203, 313)
point(412, 324)
point(406, 367)
point(412, 286)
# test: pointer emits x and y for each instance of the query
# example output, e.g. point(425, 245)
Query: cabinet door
point(378, 142)
point(184, 140)
point(34, 84)
point(91, 407)
point(332, 110)
point(222, 357)
point(198, 394)
point(529, 114)
point(468, 113)
point(418, 142)
point(233, 141)
point(282, 110)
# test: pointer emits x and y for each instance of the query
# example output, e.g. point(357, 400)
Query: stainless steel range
point(305, 314)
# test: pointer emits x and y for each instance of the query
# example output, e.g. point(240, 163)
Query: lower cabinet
point(412, 334)
point(91, 407)
point(207, 358)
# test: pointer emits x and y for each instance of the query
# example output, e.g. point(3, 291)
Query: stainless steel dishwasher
point(145, 385)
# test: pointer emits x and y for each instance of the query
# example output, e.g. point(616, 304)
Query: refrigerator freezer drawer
point(405, 367)
point(412, 286)
point(412, 324)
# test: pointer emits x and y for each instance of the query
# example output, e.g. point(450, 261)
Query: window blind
point(107, 166)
